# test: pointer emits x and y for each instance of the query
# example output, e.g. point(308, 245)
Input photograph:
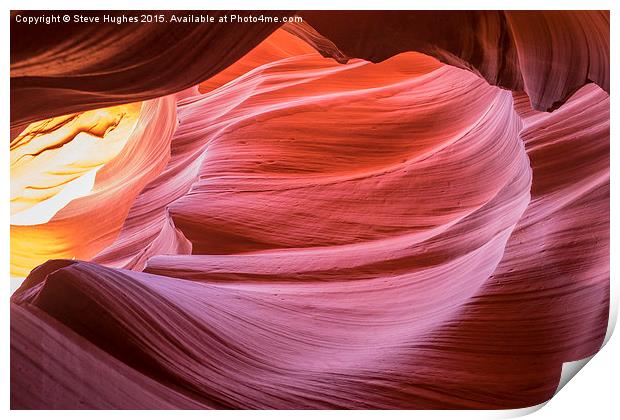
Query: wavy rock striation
point(321, 234)
point(89, 222)
point(59, 69)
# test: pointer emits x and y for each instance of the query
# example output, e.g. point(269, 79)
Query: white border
point(592, 394)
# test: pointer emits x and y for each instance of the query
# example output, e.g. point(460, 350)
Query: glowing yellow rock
point(56, 160)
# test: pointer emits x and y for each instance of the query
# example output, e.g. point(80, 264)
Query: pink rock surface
point(359, 235)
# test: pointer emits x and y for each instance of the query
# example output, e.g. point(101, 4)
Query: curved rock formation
point(302, 232)
point(89, 219)
point(62, 68)
point(549, 54)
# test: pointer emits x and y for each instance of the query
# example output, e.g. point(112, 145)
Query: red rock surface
point(64, 68)
point(341, 235)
